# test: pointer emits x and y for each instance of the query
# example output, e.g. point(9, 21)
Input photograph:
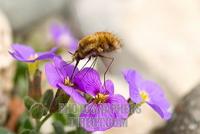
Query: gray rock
point(186, 117)
point(6, 67)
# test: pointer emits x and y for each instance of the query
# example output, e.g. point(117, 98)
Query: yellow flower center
point(67, 82)
point(100, 98)
point(145, 97)
point(33, 57)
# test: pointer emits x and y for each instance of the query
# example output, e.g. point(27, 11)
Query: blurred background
point(160, 39)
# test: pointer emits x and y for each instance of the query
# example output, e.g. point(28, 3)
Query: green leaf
point(28, 102)
point(28, 131)
point(80, 130)
point(47, 98)
point(38, 110)
point(59, 101)
point(58, 127)
point(60, 117)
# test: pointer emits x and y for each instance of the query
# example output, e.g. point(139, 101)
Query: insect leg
point(86, 62)
point(110, 58)
point(70, 52)
point(94, 62)
point(74, 69)
point(91, 66)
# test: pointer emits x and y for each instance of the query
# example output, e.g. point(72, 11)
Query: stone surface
point(7, 66)
point(5, 41)
point(186, 115)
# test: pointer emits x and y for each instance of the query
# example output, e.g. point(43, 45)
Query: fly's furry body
point(96, 44)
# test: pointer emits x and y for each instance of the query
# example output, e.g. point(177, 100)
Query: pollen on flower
point(144, 95)
point(100, 98)
point(67, 82)
point(33, 56)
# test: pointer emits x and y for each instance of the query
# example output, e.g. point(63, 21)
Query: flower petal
point(52, 75)
point(134, 80)
point(108, 87)
point(76, 96)
point(97, 117)
point(47, 55)
point(61, 32)
point(155, 93)
point(22, 52)
point(64, 69)
point(56, 30)
point(120, 106)
point(88, 80)
point(73, 45)
point(19, 58)
point(133, 76)
point(162, 112)
point(157, 99)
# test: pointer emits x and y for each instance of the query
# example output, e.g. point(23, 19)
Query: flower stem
point(42, 122)
point(60, 97)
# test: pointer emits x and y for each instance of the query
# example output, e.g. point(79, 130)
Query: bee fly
point(96, 45)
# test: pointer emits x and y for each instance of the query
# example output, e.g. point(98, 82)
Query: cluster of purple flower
point(105, 109)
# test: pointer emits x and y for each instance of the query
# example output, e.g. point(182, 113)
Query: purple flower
point(145, 91)
point(27, 54)
point(106, 109)
point(61, 35)
point(58, 75)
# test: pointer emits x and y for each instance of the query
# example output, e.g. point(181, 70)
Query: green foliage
point(60, 98)
point(38, 110)
point(58, 127)
point(24, 122)
point(28, 131)
point(20, 71)
point(4, 131)
point(35, 90)
point(20, 80)
point(28, 102)
point(59, 117)
point(47, 98)
point(80, 130)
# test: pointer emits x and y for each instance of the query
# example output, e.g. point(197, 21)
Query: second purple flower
point(58, 74)
point(106, 109)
